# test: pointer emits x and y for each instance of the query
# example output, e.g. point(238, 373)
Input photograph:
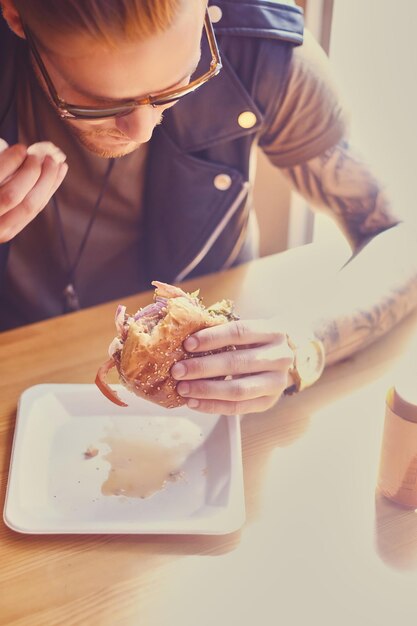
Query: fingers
point(273, 357)
point(11, 160)
point(251, 378)
point(32, 200)
point(18, 186)
point(50, 179)
point(237, 389)
point(223, 407)
point(238, 333)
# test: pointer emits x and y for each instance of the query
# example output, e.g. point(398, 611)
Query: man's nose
point(139, 124)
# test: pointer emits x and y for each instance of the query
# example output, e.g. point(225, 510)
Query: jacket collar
point(200, 121)
point(269, 19)
point(210, 115)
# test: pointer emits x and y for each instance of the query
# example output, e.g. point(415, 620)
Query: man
point(172, 200)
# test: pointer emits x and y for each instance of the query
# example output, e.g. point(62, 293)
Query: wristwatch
point(309, 362)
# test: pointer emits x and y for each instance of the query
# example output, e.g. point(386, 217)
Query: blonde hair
point(108, 21)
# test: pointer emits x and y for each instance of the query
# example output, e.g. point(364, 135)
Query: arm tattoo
point(344, 334)
point(377, 288)
point(341, 183)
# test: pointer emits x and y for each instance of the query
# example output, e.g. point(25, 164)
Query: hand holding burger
point(151, 341)
point(176, 351)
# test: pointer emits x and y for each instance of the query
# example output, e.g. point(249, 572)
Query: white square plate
point(54, 488)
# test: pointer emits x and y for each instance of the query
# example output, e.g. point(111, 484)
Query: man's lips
point(119, 137)
point(114, 139)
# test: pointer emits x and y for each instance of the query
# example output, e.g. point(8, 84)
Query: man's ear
point(12, 17)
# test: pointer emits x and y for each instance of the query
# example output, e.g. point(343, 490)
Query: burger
point(149, 342)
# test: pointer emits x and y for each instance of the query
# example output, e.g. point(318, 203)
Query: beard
point(90, 139)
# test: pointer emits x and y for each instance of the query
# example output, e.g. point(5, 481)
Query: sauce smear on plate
point(140, 468)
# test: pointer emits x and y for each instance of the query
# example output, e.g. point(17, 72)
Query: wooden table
point(318, 546)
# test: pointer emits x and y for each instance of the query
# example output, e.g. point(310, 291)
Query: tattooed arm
point(375, 289)
point(378, 286)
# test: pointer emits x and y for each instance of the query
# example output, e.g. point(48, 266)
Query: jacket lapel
point(183, 206)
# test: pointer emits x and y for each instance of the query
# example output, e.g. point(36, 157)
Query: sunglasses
point(125, 107)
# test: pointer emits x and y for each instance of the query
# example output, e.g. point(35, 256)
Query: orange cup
point(397, 478)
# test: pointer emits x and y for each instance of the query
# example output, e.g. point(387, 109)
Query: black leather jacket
point(196, 222)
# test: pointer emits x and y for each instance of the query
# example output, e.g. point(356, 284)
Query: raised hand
point(28, 179)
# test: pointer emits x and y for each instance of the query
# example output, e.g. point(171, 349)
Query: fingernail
point(183, 389)
point(58, 157)
point(179, 370)
point(191, 343)
point(193, 404)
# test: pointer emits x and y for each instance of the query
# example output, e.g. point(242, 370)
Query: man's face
point(88, 73)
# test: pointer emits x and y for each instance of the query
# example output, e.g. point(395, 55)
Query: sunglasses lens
point(93, 114)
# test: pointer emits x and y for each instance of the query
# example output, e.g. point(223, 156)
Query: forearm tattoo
point(340, 183)
point(343, 335)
